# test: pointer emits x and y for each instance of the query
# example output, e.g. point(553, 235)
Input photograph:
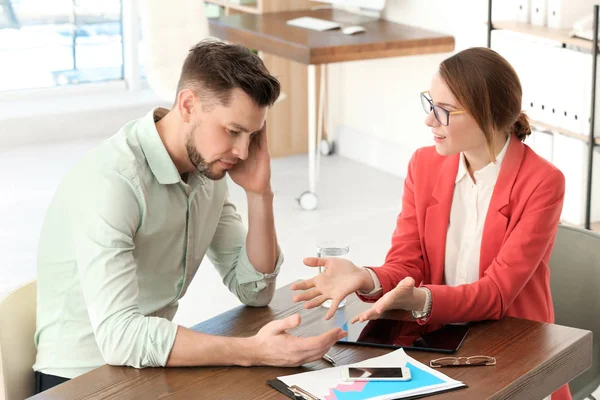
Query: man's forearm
point(199, 349)
point(261, 242)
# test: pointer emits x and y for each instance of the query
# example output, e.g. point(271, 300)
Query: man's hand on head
point(254, 173)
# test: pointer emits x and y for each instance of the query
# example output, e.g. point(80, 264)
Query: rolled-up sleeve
point(108, 217)
point(227, 252)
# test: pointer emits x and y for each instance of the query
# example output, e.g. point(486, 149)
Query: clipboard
point(293, 392)
point(296, 393)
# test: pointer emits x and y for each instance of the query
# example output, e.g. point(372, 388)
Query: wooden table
point(533, 360)
point(271, 33)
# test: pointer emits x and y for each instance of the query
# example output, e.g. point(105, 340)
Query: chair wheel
point(327, 148)
point(308, 201)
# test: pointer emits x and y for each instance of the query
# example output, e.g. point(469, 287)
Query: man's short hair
point(213, 69)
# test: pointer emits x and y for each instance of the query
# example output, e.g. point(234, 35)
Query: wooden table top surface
point(533, 360)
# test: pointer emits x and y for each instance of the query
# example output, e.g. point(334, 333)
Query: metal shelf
point(558, 35)
point(542, 126)
point(562, 36)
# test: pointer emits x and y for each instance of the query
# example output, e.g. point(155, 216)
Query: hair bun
point(522, 128)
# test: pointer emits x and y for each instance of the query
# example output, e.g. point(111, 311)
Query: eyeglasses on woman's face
point(441, 114)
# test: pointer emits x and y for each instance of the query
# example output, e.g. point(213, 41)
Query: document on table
point(327, 384)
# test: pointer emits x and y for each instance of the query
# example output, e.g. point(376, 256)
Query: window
point(47, 43)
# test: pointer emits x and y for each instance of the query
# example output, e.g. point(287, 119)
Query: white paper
point(315, 24)
point(327, 384)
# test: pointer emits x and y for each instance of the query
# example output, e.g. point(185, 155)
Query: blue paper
point(419, 379)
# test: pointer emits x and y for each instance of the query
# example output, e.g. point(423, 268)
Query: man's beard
point(198, 161)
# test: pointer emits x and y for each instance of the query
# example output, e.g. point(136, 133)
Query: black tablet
point(406, 334)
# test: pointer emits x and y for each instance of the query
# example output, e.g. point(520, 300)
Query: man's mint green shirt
point(122, 239)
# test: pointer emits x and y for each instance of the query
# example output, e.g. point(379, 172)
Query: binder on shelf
point(543, 144)
point(576, 91)
point(555, 83)
point(580, 77)
point(563, 14)
point(512, 10)
point(522, 10)
point(570, 156)
point(547, 79)
point(538, 75)
point(586, 72)
point(522, 47)
point(539, 12)
point(516, 49)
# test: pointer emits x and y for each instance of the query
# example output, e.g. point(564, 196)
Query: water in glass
point(332, 249)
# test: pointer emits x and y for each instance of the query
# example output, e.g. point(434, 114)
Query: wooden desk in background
point(270, 34)
point(533, 360)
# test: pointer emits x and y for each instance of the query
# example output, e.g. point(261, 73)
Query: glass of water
point(332, 249)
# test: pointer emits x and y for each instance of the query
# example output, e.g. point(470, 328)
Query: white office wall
point(374, 109)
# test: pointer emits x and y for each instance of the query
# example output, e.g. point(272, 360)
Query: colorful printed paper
point(327, 384)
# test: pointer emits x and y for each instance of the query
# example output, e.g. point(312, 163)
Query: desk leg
point(308, 200)
point(320, 121)
point(312, 128)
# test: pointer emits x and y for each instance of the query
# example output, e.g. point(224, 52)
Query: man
point(130, 224)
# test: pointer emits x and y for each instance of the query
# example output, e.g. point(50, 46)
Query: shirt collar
point(487, 175)
point(158, 158)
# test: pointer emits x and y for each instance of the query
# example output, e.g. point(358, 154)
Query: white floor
point(358, 205)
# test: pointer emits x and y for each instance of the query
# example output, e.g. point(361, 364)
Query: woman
point(479, 215)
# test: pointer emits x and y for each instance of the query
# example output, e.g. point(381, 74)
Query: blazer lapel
point(496, 221)
point(437, 218)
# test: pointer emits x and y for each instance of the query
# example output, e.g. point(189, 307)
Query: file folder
point(523, 11)
point(538, 12)
point(562, 14)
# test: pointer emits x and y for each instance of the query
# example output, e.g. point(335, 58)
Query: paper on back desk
point(327, 384)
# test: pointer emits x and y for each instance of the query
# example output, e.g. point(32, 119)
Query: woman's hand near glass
point(339, 279)
point(403, 297)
